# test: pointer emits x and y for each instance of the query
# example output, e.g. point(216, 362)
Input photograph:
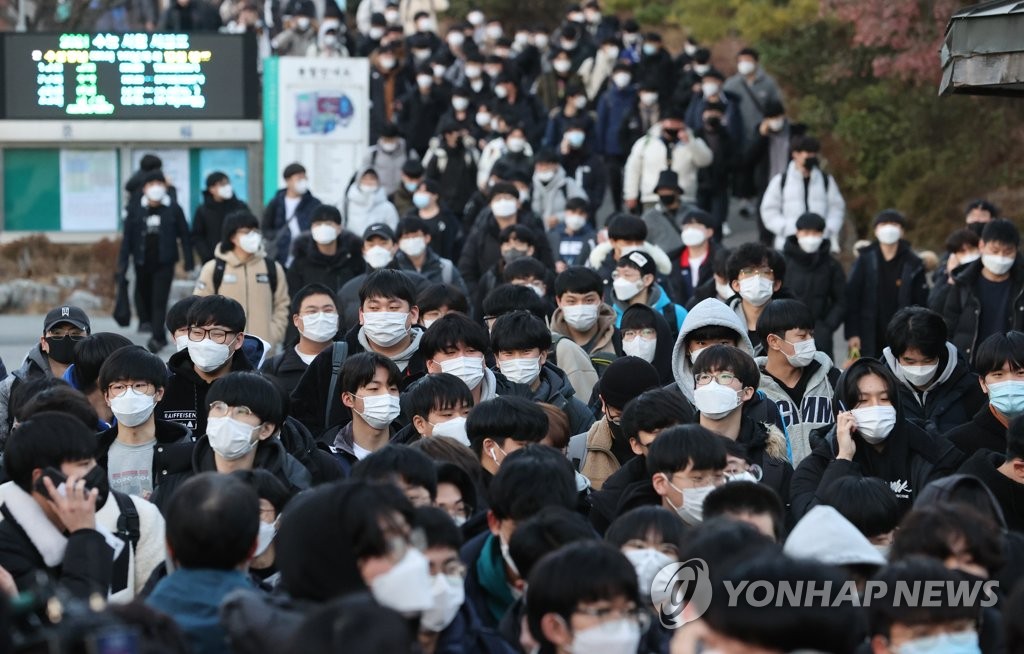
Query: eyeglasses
point(220, 409)
point(723, 378)
point(646, 332)
point(217, 335)
point(760, 272)
point(398, 545)
point(604, 614)
point(454, 569)
point(140, 387)
point(74, 334)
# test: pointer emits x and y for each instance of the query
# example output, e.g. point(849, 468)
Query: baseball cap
point(379, 229)
point(71, 315)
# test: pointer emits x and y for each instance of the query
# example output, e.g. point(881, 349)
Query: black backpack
point(221, 265)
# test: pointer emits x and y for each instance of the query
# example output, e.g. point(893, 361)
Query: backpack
point(221, 265)
point(782, 185)
point(128, 530)
point(339, 352)
point(600, 360)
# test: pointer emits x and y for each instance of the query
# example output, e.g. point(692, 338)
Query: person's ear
point(637, 448)
point(660, 483)
point(239, 341)
point(555, 631)
point(735, 285)
point(648, 279)
point(36, 474)
point(360, 315)
point(267, 430)
point(493, 524)
point(159, 395)
point(984, 386)
point(880, 644)
point(414, 315)
point(43, 345)
point(776, 286)
point(297, 321)
point(748, 392)
point(419, 423)
point(1018, 469)
point(433, 367)
point(543, 358)
point(348, 400)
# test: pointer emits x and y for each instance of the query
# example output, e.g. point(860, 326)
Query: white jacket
point(594, 71)
point(550, 199)
point(51, 542)
point(494, 150)
point(649, 157)
point(361, 210)
point(781, 207)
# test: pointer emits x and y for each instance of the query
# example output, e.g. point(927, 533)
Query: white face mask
point(156, 192)
point(919, 375)
point(581, 317)
point(302, 23)
point(648, 98)
point(701, 69)
point(132, 409)
point(997, 264)
point(501, 93)
point(620, 636)
point(387, 63)
point(181, 342)
point(715, 401)
point(694, 236)
point(250, 242)
point(724, 290)
point(460, 104)
point(454, 428)
point(575, 222)
point(692, 509)
point(968, 258)
point(621, 80)
point(544, 176)
point(647, 562)
point(264, 537)
point(503, 208)
point(207, 355)
point(746, 67)
point(960, 642)
point(407, 586)
point(302, 186)
point(414, 246)
point(810, 244)
point(709, 88)
point(696, 353)
point(561, 65)
point(379, 411)
point(468, 369)
point(493, 32)
point(378, 256)
point(776, 124)
point(376, 33)
point(875, 423)
point(483, 119)
point(455, 39)
point(324, 234)
point(225, 192)
point(756, 290)
point(803, 353)
point(385, 328)
point(515, 144)
point(626, 290)
point(888, 234)
point(320, 327)
point(449, 594)
point(640, 347)
point(230, 438)
point(521, 371)
point(424, 81)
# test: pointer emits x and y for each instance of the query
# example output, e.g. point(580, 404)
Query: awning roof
point(983, 52)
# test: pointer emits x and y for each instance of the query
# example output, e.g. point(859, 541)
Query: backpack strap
point(272, 275)
point(577, 450)
point(218, 275)
point(339, 352)
point(447, 271)
point(128, 525)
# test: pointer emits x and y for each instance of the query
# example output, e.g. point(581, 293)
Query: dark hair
point(212, 521)
point(435, 296)
point(558, 426)
point(520, 233)
point(647, 523)
point(637, 316)
point(438, 528)
point(720, 262)
point(150, 162)
point(723, 543)
point(267, 486)
point(918, 328)
point(46, 439)
point(505, 417)
point(524, 268)
point(450, 331)
point(779, 316)
point(360, 369)
point(997, 350)
point(293, 169)
point(653, 410)
point(867, 502)
point(750, 52)
point(251, 389)
point(625, 227)
point(999, 230)
point(438, 392)
point(847, 387)
point(90, 353)
point(215, 178)
point(395, 460)
point(685, 446)
point(804, 143)
point(217, 310)
point(503, 188)
point(713, 333)
point(578, 279)
point(132, 362)
point(939, 530)
point(443, 450)
point(506, 298)
point(520, 330)
point(755, 254)
point(726, 358)
point(233, 222)
point(411, 225)
point(1015, 439)
point(983, 205)
point(308, 290)
point(177, 313)
point(549, 529)
point(579, 572)
point(961, 237)
point(530, 479)
point(63, 399)
point(746, 497)
point(914, 572)
point(27, 390)
point(387, 284)
point(325, 213)
point(456, 475)
point(352, 623)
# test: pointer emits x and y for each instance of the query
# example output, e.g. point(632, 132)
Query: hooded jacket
point(445, 230)
point(962, 306)
point(662, 360)
point(650, 156)
point(817, 280)
point(950, 401)
point(603, 340)
point(767, 447)
point(184, 400)
point(825, 536)
point(388, 164)
point(549, 200)
point(815, 410)
point(781, 206)
point(556, 390)
point(436, 270)
point(602, 259)
point(208, 223)
point(360, 210)
point(910, 457)
point(270, 456)
point(35, 366)
point(310, 266)
point(192, 598)
point(1009, 494)
point(599, 461)
point(658, 300)
point(266, 310)
point(985, 431)
point(707, 313)
point(482, 249)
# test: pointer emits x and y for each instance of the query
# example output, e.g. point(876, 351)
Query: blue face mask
point(575, 139)
point(1007, 397)
point(960, 642)
point(411, 186)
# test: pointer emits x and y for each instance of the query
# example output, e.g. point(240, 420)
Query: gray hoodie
point(706, 313)
point(825, 536)
point(952, 359)
point(550, 199)
point(815, 408)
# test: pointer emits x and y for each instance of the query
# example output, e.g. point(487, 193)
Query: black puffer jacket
point(961, 306)
point(310, 266)
point(817, 280)
point(208, 223)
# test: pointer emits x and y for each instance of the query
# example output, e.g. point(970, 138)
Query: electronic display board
point(133, 76)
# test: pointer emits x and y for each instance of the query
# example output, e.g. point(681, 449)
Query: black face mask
point(62, 348)
point(714, 122)
point(617, 433)
point(670, 137)
point(97, 478)
point(668, 199)
point(810, 163)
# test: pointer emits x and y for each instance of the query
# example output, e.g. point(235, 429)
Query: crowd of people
point(484, 402)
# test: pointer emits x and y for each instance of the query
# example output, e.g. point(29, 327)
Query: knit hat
point(625, 379)
point(891, 216)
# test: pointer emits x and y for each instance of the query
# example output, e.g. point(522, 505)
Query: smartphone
point(56, 476)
